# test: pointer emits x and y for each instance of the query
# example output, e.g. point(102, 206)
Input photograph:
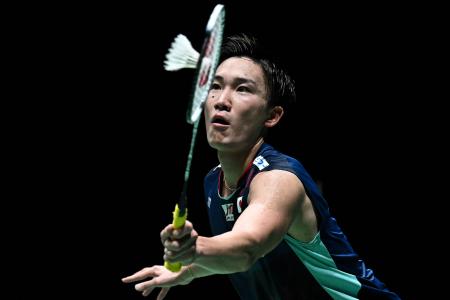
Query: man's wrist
point(191, 272)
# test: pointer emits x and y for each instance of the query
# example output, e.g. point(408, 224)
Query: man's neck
point(234, 164)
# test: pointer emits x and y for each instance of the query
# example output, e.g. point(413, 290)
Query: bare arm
point(277, 205)
point(275, 201)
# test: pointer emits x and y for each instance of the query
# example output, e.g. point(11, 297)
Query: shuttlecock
point(181, 55)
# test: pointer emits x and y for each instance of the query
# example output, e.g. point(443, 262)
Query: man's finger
point(185, 257)
point(147, 291)
point(182, 244)
point(185, 231)
point(166, 233)
point(142, 274)
point(150, 284)
point(176, 233)
point(162, 294)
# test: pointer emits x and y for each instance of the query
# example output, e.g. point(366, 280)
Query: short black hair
point(281, 87)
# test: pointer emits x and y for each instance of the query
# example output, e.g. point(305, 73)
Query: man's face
point(236, 108)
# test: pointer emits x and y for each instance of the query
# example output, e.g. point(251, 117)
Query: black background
point(115, 140)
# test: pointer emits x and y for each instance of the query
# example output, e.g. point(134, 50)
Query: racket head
point(207, 63)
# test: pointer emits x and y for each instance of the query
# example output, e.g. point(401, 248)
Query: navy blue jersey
point(325, 268)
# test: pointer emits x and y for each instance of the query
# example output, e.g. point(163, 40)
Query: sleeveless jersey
point(325, 268)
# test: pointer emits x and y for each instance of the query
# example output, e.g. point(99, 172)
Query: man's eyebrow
point(218, 78)
point(237, 80)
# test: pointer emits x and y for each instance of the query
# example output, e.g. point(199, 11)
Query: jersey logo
point(239, 204)
point(228, 210)
point(260, 162)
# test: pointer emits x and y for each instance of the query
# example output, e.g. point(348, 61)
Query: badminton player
point(273, 234)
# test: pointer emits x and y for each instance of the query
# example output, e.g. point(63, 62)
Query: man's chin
point(218, 144)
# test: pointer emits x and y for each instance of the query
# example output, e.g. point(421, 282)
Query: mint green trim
point(315, 256)
point(227, 198)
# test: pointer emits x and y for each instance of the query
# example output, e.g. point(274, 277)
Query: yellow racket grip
point(178, 222)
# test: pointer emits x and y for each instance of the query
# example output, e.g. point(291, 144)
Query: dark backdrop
point(123, 140)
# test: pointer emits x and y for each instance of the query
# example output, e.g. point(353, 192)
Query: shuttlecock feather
point(181, 55)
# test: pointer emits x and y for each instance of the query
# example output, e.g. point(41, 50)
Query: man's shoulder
point(272, 159)
point(213, 173)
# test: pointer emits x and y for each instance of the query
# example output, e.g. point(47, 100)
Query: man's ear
point(274, 116)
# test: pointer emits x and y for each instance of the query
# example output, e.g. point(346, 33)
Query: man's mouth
point(219, 120)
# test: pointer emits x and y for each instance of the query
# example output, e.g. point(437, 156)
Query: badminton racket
point(182, 55)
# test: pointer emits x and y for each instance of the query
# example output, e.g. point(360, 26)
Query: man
point(273, 233)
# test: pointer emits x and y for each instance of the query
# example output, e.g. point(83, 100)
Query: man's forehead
point(240, 68)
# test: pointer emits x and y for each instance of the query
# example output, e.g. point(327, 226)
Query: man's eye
point(215, 86)
point(243, 89)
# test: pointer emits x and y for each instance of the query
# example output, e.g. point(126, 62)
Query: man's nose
point(223, 101)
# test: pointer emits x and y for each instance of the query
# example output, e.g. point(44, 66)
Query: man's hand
point(179, 244)
point(161, 277)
